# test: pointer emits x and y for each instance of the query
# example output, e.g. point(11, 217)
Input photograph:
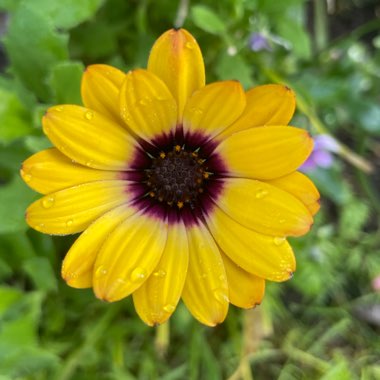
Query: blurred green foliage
point(324, 324)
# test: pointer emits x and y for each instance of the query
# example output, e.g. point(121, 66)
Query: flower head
point(180, 189)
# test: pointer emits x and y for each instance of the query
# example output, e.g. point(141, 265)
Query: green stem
point(182, 12)
point(320, 24)
point(162, 339)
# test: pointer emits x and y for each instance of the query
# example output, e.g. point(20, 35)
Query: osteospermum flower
point(182, 190)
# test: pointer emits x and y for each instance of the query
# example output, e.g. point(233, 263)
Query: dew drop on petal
point(160, 273)
point(58, 109)
point(48, 201)
point(138, 275)
point(26, 177)
point(89, 115)
point(261, 193)
point(221, 295)
point(189, 45)
point(69, 223)
point(282, 221)
point(100, 271)
point(143, 102)
point(169, 308)
point(279, 240)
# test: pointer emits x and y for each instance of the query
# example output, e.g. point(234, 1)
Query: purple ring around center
point(202, 206)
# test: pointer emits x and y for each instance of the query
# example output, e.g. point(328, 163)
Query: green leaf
point(206, 19)
point(41, 273)
point(65, 82)
point(15, 197)
point(66, 13)
point(33, 46)
point(15, 120)
point(234, 67)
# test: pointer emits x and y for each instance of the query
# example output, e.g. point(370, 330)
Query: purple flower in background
point(324, 146)
point(258, 42)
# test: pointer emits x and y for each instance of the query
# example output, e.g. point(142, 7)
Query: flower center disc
point(177, 177)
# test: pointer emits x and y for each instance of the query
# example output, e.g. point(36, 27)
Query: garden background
point(322, 324)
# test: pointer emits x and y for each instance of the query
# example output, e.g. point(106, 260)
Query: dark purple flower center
point(177, 177)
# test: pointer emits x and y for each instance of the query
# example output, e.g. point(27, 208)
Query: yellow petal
point(129, 256)
point(214, 107)
point(100, 89)
point(78, 265)
point(271, 104)
point(268, 257)
point(177, 60)
point(206, 291)
point(146, 104)
point(88, 137)
point(49, 171)
point(157, 297)
point(72, 210)
point(301, 187)
point(265, 152)
point(245, 289)
point(264, 208)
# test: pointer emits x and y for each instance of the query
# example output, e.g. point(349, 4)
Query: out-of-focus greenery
point(325, 322)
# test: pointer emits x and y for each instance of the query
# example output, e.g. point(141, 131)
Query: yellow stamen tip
point(152, 194)
point(177, 148)
point(180, 204)
point(162, 155)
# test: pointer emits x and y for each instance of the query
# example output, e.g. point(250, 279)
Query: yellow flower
point(182, 190)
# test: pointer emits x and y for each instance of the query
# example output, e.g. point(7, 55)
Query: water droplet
point(27, 177)
point(138, 274)
point(48, 202)
point(143, 102)
point(89, 163)
point(121, 281)
point(89, 115)
point(221, 295)
point(160, 273)
point(204, 275)
point(58, 109)
point(261, 193)
point(222, 277)
point(100, 271)
point(282, 221)
point(39, 227)
point(169, 308)
point(189, 45)
point(279, 240)
point(69, 223)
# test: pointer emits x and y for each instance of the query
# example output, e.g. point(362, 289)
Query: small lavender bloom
point(258, 42)
point(321, 155)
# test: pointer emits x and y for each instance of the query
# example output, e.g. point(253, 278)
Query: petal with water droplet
point(214, 107)
point(98, 140)
point(265, 152)
point(49, 171)
point(245, 289)
point(100, 89)
point(278, 213)
point(207, 300)
point(254, 252)
point(301, 187)
point(75, 208)
point(130, 253)
point(271, 104)
point(146, 104)
point(78, 264)
point(157, 297)
point(182, 69)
